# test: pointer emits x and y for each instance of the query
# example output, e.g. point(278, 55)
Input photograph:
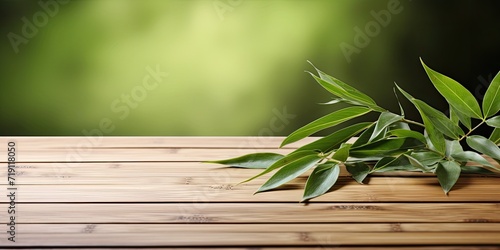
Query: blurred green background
point(230, 67)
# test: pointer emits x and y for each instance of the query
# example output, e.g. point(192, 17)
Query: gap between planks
point(253, 235)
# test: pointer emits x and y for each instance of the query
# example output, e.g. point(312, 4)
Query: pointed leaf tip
point(448, 173)
point(454, 93)
point(321, 180)
point(491, 100)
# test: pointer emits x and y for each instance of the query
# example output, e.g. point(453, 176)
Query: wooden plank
point(82, 142)
point(132, 154)
point(140, 172)
point(244, 213)
point(253, 235)
point(388, 189)
point(209, 176)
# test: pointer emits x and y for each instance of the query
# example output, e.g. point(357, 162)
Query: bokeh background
point(235, 67)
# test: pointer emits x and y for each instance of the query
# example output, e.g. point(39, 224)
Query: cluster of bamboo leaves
point(388, 144)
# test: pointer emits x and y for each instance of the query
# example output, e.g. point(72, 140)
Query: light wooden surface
point(140, 192)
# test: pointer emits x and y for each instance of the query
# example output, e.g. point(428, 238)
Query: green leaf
point(464, 119)
point(399, 125)
point(470, 156)
point(416, 163)
point(341, 100)
point(477, 170)
point(385, 119)
point(439, 120)
point(453, 116)
point(385, 147)
point(324, 122)
point(491, 101)
point(453, 147)
point(427, 158)
point(290, 172)
point(399, 103)
point(456, 94)
point(358, 170)
point(285, 161)
point(400, 163)
point(342, 153)
point(484, 146)
point(436, 138)
point(447, 173)
point(383, 163)
point(321, 180)
point(258, 160)
point(343, 90)
point(494, 121)
point(495, 136)
point(403, 133)
point(334, 140)
point(364, 137)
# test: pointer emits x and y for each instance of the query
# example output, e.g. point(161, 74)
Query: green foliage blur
point(229, 67)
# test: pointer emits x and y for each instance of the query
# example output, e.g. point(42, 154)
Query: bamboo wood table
point(153, 192)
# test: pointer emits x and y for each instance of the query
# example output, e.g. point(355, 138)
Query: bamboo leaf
point(400, 163)
point(484, 146)
point(495, 136)
point(456, 94)
point(365, 136)
point(341, 100)
point(453, 147)
point(470, 156)
point(399, 103)
point(436, 138)
point(464, 119)
point(385, 119)
point(494, 121)
point(321, 180)
point(383, 163)
point(416, 163)
point(447, 173)
point(258, 160)
point(427, 158)
point(344, 90)
point(403, 133)
point(399, 125)
point(453, 116)
point(439, 120)
point(358, 170)
point(491, 101)
point(324, 122)
point(342, 153)
point(387, 147)
point(285, 161)
point(334, 140)
point(477, 170)
point(290, 172)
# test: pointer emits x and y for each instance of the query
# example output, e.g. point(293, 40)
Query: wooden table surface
point(153, 192)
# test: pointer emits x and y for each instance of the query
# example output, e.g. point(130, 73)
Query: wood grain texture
point(251, 213)
point(154, 192)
